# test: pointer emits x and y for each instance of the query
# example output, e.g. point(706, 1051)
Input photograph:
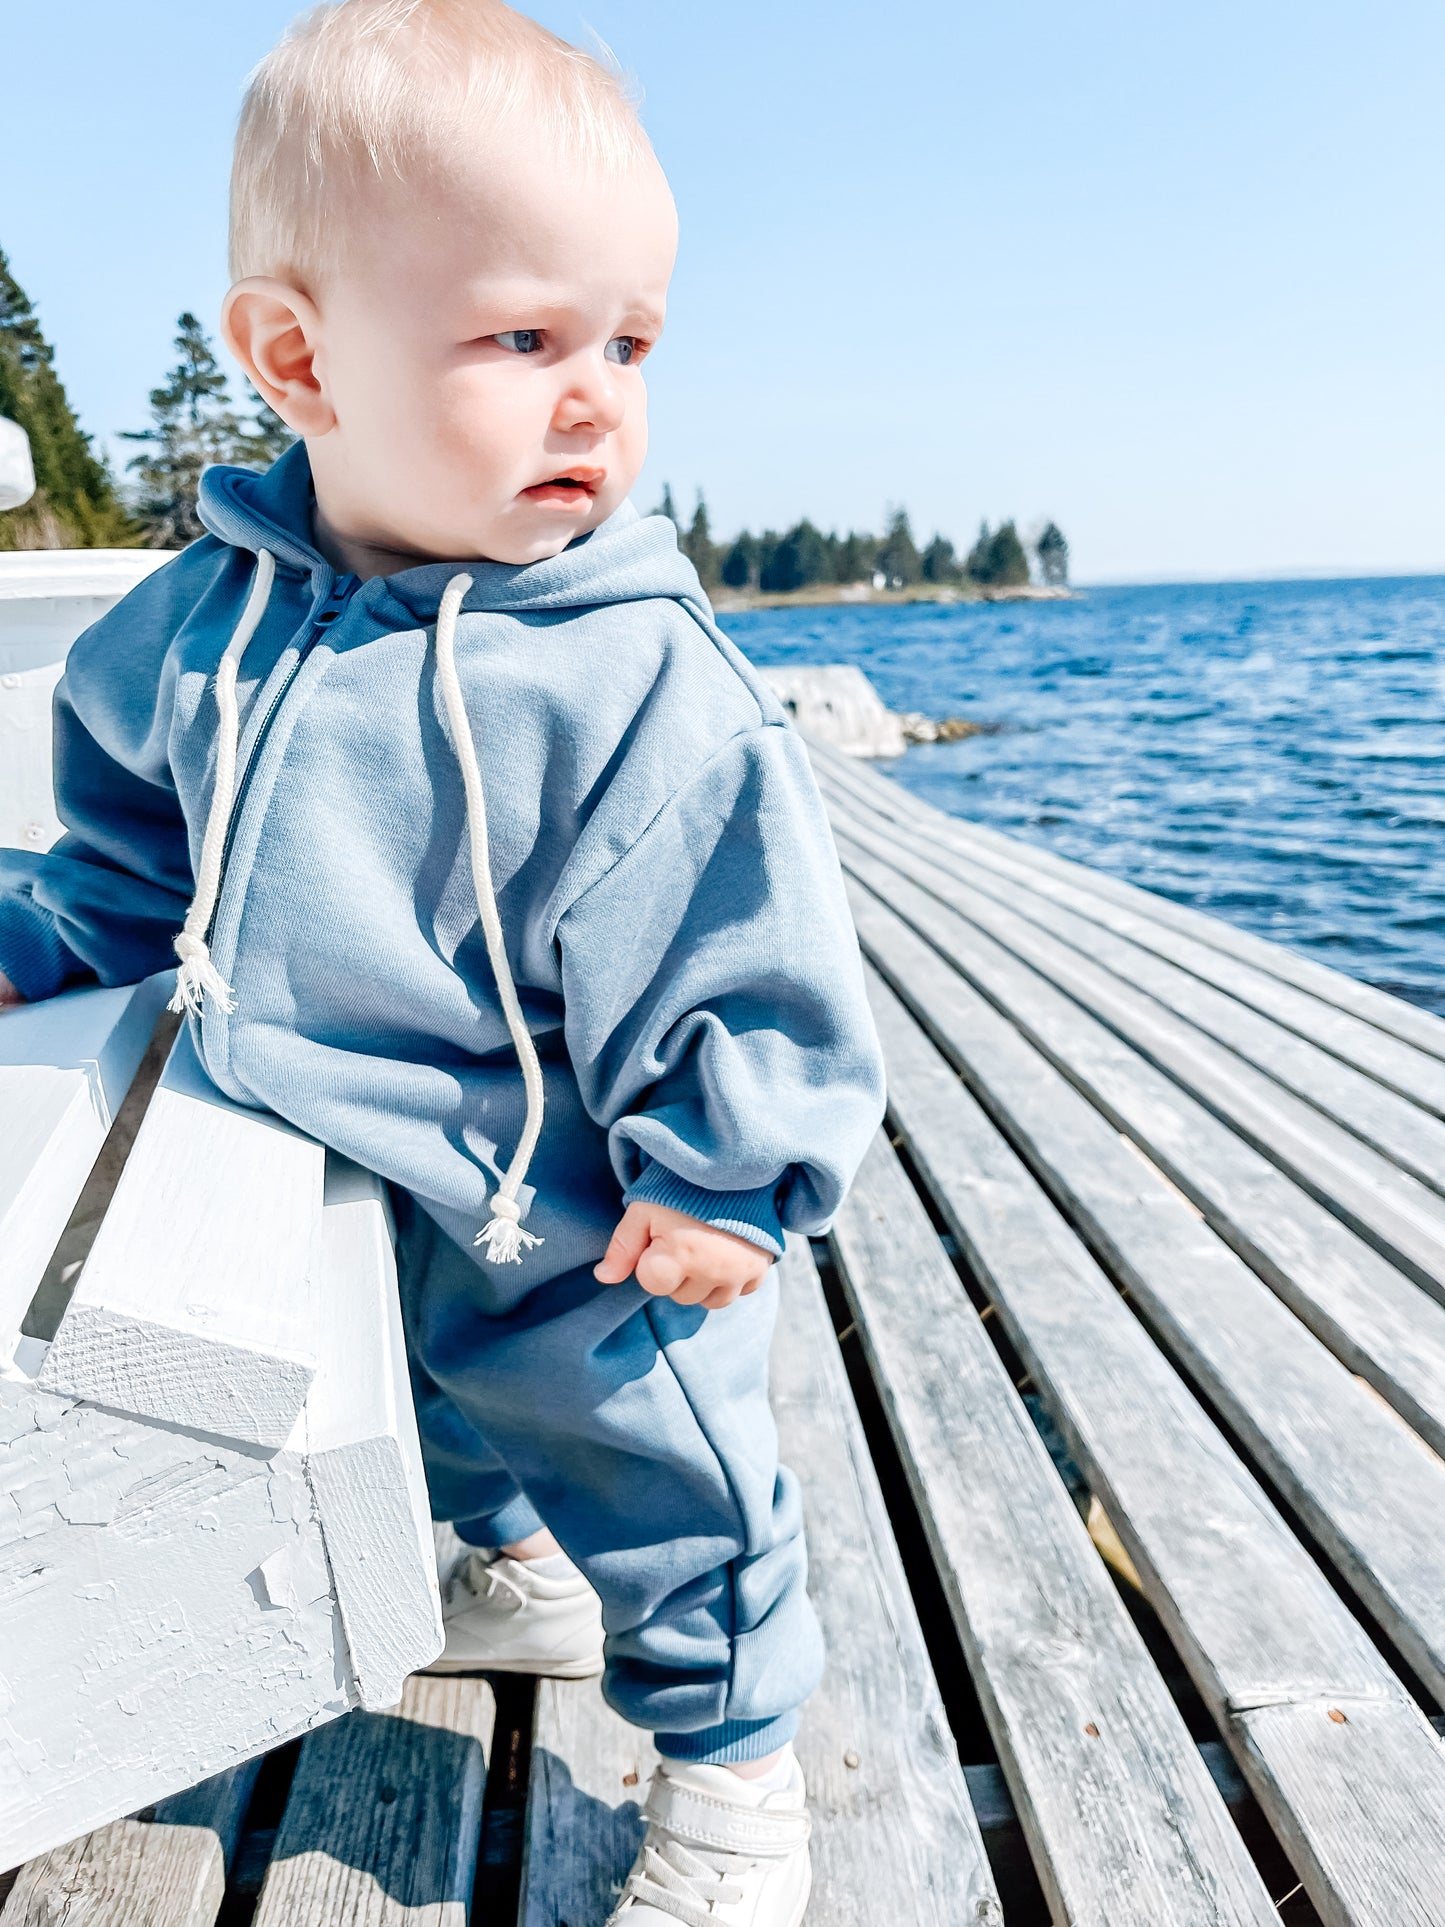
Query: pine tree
point(897, 554)
point(668, 507)
point(938, 561)
point(1053, 552)
point(75, 503)
point(976, 563)
point(699, 548)
point(193, 425)
point(737, 568)
point(800, 559)
point(1007, 559)
point(856, 558)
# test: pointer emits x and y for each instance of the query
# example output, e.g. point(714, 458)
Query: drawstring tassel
point(198, 978)
point(503, 1234)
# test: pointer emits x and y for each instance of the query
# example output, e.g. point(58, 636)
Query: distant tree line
point(803, 557)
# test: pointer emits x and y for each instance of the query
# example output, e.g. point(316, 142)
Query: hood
point(628, 558)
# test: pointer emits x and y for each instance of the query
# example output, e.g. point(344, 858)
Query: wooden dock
point(1117, 1396)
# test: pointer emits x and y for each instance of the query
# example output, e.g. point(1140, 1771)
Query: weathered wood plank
point(129, 1874)
point(1390, 1015)
point(1124, 1822)
point(1402, 1217)
point(1398, 1066)
point(1366, 1311)
point(65, 1066)
point(385, 1814)
point(194, 1307)
point(886, 1790)
point(218, 1804)
point(1362, 1481)
point(1271, 1649)
point(1401, 1129)
point(364, 1456)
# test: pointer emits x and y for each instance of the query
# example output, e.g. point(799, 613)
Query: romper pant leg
point(640, 1432)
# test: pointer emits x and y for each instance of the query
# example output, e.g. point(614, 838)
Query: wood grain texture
point(129, 1874)
point(1365, 1484)
point(1387, 1206)
point(217, 1804)
point(1125, 1824)
point(1395, 1065)
point(195, 1307)
point(385, 1814)
point(900, 1806)
point(1254, 1620)
point(1391, 1015)
point(1408, 1133)
point(363, 1453)
point(65, 1066)
point(1371, 1316)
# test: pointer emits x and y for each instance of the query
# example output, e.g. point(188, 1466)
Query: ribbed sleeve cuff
point(747, 1214)
point(733, 1741)
point(31, 953)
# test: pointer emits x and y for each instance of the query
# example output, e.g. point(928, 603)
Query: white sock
point(720, 1779)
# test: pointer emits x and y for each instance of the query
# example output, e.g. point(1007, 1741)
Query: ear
point(273, 331)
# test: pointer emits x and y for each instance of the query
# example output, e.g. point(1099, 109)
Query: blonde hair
point(366, 89)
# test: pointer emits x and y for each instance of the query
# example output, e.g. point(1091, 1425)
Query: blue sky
point(1171, 275)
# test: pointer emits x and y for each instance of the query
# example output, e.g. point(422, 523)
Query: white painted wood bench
point(214, 1531)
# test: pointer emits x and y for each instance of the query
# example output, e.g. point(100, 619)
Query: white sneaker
point(717, 1854)
point(502, 1616)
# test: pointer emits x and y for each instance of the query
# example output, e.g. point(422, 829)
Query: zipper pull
point(342, 590)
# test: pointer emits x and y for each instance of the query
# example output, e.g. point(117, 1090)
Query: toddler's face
point(482, 355)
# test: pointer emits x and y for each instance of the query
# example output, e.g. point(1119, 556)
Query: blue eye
point(622, 350)
point(521, 341)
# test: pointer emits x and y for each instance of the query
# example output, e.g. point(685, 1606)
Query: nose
point(592, 397)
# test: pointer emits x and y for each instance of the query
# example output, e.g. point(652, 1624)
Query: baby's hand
point(9, 995)
point(675, 1256)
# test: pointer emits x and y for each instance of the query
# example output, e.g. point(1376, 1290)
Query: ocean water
point(1273, 753)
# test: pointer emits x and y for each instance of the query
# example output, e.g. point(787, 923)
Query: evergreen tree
point(765, 547)
point(668, 507)
point(1007, 559)
point(193, 425)
point(798, 561)
point(976, 563)
point(738, 564)
point(856, 557)
point(699, 548)
point(938, 561)
point(897, 556)
point(75, 503)
point(1053, 553)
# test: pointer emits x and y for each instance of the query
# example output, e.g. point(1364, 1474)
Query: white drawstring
point(198, 978)
point(503, 1235)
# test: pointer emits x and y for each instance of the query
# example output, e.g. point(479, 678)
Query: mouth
point(571, 488)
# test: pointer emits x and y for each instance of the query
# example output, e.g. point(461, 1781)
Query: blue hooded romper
point(675, 923)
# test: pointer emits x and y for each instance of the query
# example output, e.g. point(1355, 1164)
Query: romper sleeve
point(105, 902)
point(715, 1010)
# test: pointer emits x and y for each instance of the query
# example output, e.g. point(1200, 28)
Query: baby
point(498, 869)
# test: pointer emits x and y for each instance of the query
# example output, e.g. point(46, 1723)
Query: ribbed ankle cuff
point(516, 1520)
point(734, 1740)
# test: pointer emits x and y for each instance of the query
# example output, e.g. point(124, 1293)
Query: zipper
point(326, 617)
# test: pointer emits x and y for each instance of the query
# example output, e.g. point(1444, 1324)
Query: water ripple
point(1269, 752)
